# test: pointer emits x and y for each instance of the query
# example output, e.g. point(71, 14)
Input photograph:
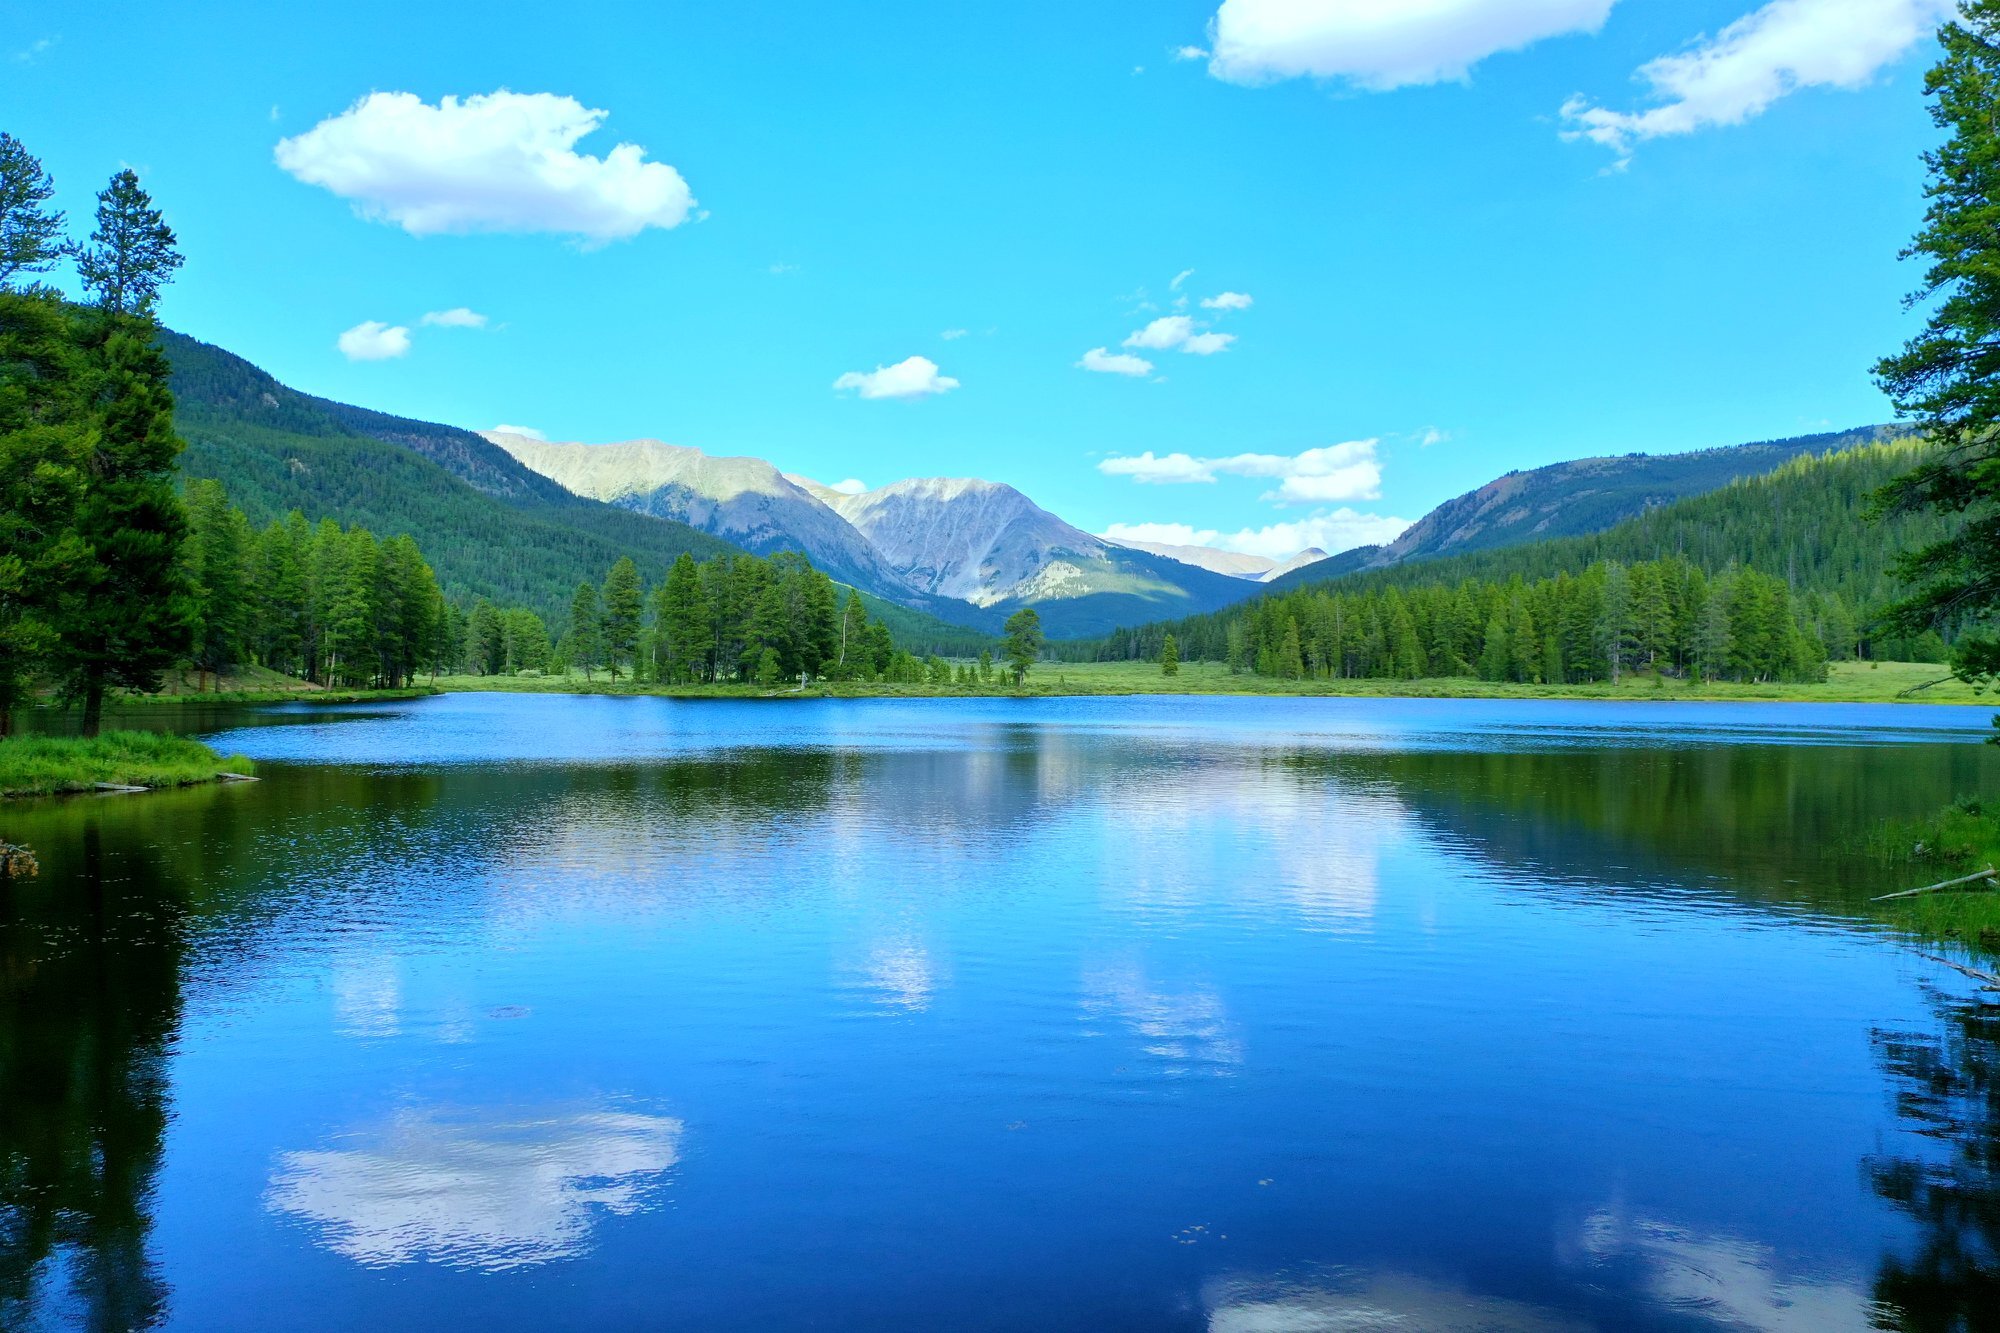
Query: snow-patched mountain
point(1256, 568)
point(742, 500)
point(980, 542)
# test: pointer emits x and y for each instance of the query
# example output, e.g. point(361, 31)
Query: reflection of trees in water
point(89, 1001)
point(1751, 816)
point(1947, 1086)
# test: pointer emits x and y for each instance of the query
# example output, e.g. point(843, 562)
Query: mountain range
point(944, 560)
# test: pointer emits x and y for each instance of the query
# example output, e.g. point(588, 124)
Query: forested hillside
point(490, 527)
point(1582, 496)
point(1797, 546)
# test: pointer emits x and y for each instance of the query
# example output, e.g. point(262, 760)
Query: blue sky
point(1482, 234)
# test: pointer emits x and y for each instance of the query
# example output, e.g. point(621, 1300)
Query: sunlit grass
point(47, 765)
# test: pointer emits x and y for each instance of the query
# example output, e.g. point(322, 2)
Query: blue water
point(519, 1012)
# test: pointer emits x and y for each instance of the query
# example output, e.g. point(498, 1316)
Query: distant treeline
point(1766, 579)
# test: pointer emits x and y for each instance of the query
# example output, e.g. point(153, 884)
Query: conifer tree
point(30, 231)
point(1947, 377)
point(1170, 657)
point(622, 604)
point(217, 551)
point(585, 630)
point(129, 613)
point(1024, 641)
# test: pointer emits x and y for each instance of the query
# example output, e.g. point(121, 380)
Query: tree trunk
point(6, 721)
point(93, 704)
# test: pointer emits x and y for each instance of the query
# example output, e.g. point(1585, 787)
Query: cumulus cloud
point(1190, 53)
point(372, 340)
point(913, 377)
point(1207, 344)
point(1107, 362)
point(1347, 471)
point(1227, 301)
point(1738, 73)
point(1382, 44)
point(1332, 531)
point(495, 162)
point(458, 317)
point(1168, 331)
point(529, 431)
point(852, 486)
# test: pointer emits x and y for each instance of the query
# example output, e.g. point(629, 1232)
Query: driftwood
point(1989, 875)
point(235, 777)
point(115, 787)
point(1992, 982)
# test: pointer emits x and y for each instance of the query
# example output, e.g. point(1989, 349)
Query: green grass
point(1849, 682)
point(50, 765)
point(1958, 840)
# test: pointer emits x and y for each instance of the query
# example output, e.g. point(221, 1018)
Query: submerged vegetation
point(51, 765)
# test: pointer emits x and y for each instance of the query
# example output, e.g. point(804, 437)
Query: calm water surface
point(513, 1012)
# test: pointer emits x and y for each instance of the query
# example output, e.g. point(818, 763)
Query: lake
point(506, 1012)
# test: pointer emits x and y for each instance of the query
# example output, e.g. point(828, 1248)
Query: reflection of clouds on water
point(1349, 1302)
point(902, 975)
point(1721, 1278)
point(367, 996)
point(471, 1192)
point(1186, 1027)
point(1284, 841)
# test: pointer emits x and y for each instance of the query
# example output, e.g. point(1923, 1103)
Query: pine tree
point(44, 441)
point(585, 630)
point(30, 232)
point(1946, 377)
point(1024, 641)
point(622, 604)
point(1170, 657)
point(128, 611)
point(684, 620)
point(216, 554)
point(1237, 652)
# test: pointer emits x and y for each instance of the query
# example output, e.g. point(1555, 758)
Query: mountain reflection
point(481, 1190)
point(90, 998)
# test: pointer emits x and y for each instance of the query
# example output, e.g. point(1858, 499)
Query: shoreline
point(114, 763)
point(1848, 682)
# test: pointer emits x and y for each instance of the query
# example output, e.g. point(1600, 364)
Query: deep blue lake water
point(508, 1012)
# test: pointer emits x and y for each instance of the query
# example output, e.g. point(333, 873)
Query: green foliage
point(623, 603)
point(131, 255)
point(44, 765)
point(30, 231)
point(1170, 657)
point(1634, 597)
point(1023, 643)
point(1948, 376)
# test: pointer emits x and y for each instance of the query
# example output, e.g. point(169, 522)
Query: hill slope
point(1582, 496)
point(490, 527)
point(1805, 523)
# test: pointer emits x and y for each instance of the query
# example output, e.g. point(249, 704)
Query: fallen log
point(115, 786)
point(1988, 874)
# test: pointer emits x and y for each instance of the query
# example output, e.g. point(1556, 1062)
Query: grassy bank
point(257, 685)
point(1958, 840)
point(1848, 682)
point(49, 765)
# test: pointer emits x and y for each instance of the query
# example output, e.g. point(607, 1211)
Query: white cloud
point(1180, 278)
point(1348, 471)
point(458, 317)
point(852, 486)
point(1227, 301)
point(1207, 344)
point(912, 377)
point(782, 270)
point(1332, 531)
point(1190, 53)
point(1735, 75)
point(372, 340)
point(1382, 44)
point(529, 431)
point(501, 162)
point(475, 1191)
point(1168, 331)
point(952, 335)
point(1432, 435)
point(1106, 362)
